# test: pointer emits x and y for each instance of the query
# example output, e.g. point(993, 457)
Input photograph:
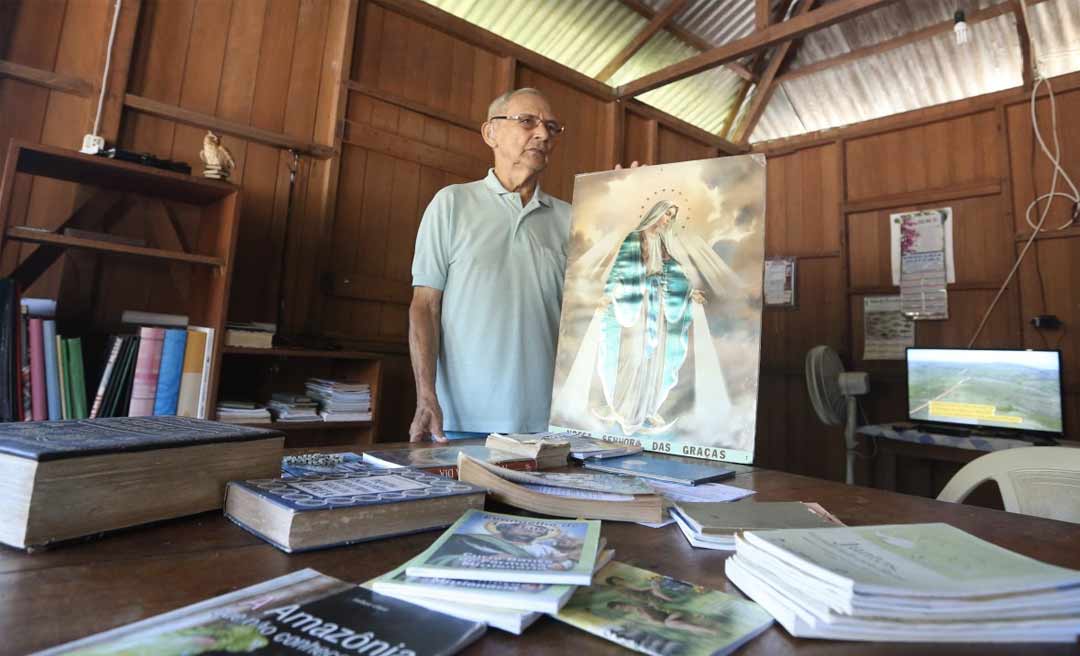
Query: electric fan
point(833, 392)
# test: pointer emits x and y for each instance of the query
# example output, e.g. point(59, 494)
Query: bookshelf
point(191, 222)
point(256, 373)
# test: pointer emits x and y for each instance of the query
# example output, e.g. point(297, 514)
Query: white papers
point(779, 288)
point(707, 492)
point(887, 332)
point(922, 286)
point(922, 260)
point(577, 494)
point(927, 230)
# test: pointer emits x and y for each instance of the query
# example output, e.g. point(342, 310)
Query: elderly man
point(487, 285)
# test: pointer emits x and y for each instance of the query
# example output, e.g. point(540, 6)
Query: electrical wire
point(105, 74)
point(1059, 172)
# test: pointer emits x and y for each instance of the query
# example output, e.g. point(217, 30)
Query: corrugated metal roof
point(586, 34)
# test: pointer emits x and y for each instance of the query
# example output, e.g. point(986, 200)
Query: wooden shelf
point(53, 239)
point(310, 425)
point(300, 353)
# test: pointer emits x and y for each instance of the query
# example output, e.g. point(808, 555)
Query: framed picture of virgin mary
point(660, 335)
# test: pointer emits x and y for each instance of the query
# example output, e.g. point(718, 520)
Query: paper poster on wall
point(887, 332)
point(922, 232)
point(661, 316)
point(780, 282)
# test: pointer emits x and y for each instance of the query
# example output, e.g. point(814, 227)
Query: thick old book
point(167, 393)
point(714, 525)
point(443, 460)
point(52, 371)
point(483, 546)
point(554, 497)
point(547, 449)
point(662, 469)
point(311, 512)
point(655, 614)
point(904, 583)
point(67, 479)
point(147, 366)
point(299, 614)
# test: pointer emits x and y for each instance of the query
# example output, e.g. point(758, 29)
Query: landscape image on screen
point(1007, 389)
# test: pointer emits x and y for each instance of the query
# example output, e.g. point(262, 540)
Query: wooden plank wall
point(830, 198)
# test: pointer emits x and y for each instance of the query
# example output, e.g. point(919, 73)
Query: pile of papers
point(242, 412)
point(504, 570)
point(293, 407)
point(341, 400)
point(905, 583)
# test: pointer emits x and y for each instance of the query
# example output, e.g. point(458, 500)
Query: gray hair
point(498, 106)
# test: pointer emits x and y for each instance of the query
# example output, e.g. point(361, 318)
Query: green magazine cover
point(483, 546)
point(655, 614)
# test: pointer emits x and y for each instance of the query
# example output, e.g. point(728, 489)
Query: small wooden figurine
point(217, 159)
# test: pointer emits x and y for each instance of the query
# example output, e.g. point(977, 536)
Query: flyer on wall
point(660, 337)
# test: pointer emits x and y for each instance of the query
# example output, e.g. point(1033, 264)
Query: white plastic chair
point(1043, 481)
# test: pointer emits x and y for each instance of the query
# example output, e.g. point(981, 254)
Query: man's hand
point(427, 422)
point(633, 165)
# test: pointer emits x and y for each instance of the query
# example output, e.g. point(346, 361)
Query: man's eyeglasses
point(530, 121)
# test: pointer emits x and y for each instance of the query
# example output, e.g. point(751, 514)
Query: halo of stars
point(682, 219)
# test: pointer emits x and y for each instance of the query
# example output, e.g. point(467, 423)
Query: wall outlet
point(1046, 322)
point(92, 144)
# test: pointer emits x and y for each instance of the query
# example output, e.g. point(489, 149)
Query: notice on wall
point(887, 332)
point(924, 231)
point(780, 282)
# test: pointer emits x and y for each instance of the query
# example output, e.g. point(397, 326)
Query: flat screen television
point(1015, 390)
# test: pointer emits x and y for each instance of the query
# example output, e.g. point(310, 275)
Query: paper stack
point(242, 412)
point(341, 400)
point(293, 407)
point(905, 583)
point(504, 570)
point(713, 525)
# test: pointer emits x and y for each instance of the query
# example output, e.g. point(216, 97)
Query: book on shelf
point(904, 583)
point(443, 460)
point(301, 613)
point(26, 405)
point(52, 371)
point(9, 353)
point(242, 412)
point(293, 407)
point(167, 392)
point(62, 378)
point(251, 334)
point(547, 449)
point(39, 385)
point(324, 464)
point(714, 525)
point(662, 469)
point(483, 546)
point(311, 512)
point(147, 368)
point(340, 400)
point(43, 308)
point(198, 366)
point(76, 378)
point(68, 479)
point(633, 504)
point(655, 614)
point(114, 346)
point(158, 319)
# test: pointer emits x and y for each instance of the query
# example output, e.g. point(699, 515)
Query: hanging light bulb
point(963, 33)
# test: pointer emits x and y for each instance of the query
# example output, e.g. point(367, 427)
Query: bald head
point(499, 105)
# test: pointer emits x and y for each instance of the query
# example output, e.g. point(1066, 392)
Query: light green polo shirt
point(500, 267)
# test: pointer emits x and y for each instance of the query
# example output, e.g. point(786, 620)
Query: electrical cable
point(1059, 172)
point(105, 74)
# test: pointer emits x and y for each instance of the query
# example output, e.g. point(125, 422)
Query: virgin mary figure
point(650, 319)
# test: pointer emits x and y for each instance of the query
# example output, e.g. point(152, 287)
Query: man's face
point(514, 144)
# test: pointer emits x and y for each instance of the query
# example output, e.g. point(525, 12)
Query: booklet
point(483, 546)
point(655, 614)
point(663, 469)
point(301, 613)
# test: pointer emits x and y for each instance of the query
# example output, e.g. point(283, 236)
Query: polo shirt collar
point(493, 183)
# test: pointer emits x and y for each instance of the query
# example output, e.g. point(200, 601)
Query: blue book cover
point(172, 366)
point(324, 464)
point(52, 373)
point(662, 469)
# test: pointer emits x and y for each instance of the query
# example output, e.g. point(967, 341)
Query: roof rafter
point(1025, 44)
point(657, 23)
point(794, 28)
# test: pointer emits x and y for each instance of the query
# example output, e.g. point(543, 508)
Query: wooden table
point(55, 596)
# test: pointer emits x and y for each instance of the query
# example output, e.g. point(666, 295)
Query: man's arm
point(425, 332)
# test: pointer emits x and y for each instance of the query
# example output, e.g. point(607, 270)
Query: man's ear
point(487, 131)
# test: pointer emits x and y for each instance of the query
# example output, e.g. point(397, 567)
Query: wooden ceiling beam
point(900, 41)
point(761, 14)
point(690, 38)
point(1027, 69)
point(798, 26)
point(48, 79)
point(768, 84)
point(657, 23)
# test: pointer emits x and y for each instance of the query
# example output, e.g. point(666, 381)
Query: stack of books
point(904, 583)
point(583, 448)
point(547, 449)
point(341, 400)
point(250, 334)
point(713, 525)
point(293, 407)
point(504, 570)
point(243, 412)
